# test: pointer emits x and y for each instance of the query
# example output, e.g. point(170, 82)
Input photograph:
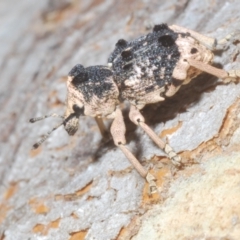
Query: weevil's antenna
point(33, 120)
point(44, 137)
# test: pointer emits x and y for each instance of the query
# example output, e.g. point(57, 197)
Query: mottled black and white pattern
point(92, 81)
point(145, 64)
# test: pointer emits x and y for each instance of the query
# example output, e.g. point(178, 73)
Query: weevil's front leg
point(172, 90)
point(118, 131)
point(137, 118)
point(226, 76)
point(102, 127)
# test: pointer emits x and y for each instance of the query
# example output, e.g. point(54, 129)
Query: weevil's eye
point(78, 110)
point(78, 74)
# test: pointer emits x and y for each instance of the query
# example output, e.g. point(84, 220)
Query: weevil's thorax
point(93, 90)
point(146, 67)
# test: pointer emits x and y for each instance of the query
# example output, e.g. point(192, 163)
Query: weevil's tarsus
point(152, 183)
point(231, 38)
point(233, 75)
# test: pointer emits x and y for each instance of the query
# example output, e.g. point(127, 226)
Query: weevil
point(143, 71)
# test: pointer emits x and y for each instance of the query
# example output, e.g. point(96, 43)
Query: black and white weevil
point(143, 71)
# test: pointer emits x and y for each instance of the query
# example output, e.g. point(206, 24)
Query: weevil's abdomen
point(92, 89)
point(145, 68)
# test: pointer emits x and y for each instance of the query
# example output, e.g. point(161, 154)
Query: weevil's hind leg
point(229, 39)
point(102, 128)
point(208, 42)
point(226, 76)
point(137, 118)
point(118, 131)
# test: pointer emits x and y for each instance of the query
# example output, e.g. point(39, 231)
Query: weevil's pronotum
point(143, 71)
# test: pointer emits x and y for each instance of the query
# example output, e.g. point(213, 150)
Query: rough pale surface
point(201, 206)
point(83, 188)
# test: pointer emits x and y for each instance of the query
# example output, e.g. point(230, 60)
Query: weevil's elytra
point(145, 68)
point(142, 71)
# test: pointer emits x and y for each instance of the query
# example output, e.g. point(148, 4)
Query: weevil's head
point(91, 92)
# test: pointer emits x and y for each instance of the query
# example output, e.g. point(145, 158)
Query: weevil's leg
point(226, 76)
point(172, 90)
point(208, 42)
point(137, 118)
point(118, 131)
point(230, 38)
point(102, 127)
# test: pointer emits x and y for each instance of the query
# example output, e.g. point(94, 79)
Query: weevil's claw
point(152, 183)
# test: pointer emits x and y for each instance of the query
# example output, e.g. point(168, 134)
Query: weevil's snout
point(71, 126)
point(71, 122)
point(75, 107)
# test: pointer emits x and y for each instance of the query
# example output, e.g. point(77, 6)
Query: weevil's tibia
point(118, 131)
point(226, 76)
point(102, 128)
point(137, 118)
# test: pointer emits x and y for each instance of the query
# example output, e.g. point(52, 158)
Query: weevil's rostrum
point(145, 70)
